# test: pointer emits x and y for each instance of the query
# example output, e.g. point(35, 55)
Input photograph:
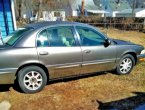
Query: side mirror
point(107, 42)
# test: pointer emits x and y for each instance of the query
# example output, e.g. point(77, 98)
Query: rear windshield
point(13, 37)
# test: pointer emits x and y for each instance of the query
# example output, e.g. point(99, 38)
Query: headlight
point(142, 52)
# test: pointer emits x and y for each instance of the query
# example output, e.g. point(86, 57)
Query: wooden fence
point(122, 26)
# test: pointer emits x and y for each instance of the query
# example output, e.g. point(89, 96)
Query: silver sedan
point(50, 50)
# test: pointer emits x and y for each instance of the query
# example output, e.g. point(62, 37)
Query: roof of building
point(128, 13)
point(130, 10)
point(115, 6)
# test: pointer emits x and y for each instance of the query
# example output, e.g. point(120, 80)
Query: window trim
point(39, 35)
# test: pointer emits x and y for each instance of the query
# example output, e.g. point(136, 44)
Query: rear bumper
point(7, 76)
point(141, 58)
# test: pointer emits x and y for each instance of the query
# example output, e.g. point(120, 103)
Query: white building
point(139, 13)
point(56, 15)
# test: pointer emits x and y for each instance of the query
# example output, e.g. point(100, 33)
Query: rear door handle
point(87, 51)
point(43, 53)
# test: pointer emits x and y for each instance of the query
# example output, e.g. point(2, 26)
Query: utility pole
point(133, 8)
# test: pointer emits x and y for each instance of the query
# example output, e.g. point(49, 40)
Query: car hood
point(122, 42)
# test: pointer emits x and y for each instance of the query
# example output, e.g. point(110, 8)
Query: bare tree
point(38, 6)
point(19, 8)
point(118, 1)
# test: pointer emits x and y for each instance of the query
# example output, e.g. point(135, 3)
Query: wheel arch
point(133, 54)
point(34, 64)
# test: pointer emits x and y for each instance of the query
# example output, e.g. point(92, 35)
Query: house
point(7, 17)
point(90, 8)
point(138, 13)
point(49, 11)
point(72, 9)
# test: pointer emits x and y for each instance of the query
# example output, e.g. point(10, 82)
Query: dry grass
point(102, 91)
point(133, 36)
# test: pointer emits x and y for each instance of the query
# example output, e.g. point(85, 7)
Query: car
point(44, 51)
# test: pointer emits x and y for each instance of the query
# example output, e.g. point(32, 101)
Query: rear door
point(57, 49)
point(96, 57)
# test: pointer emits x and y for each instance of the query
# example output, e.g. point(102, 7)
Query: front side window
point(56, 37)
point(90, 37)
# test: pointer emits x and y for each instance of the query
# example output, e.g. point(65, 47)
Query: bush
point(85, 19)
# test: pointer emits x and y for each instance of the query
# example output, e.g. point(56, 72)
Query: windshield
point(13, 37)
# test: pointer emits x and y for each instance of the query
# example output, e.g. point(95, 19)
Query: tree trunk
point(19, 11)
point(39, 10)
point(82, 9)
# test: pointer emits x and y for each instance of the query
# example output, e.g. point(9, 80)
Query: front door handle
point(43, 53)
point(87, 51)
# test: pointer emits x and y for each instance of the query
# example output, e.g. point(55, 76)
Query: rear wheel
point(125, 65)
point(32, 79)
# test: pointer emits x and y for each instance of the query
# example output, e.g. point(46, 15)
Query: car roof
point(48, 23)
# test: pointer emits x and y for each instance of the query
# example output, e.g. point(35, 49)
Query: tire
point(125, 65)
point(32, 79)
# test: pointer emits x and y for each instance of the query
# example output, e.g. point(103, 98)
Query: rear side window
point(42, 40)
point(13, 37)
point(56, 37)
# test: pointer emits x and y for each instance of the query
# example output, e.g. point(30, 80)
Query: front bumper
point(141, 58)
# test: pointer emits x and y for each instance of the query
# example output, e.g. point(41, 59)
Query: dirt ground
point(104, 91)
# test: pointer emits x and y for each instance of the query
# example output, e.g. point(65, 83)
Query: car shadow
point(136, 102)
point(5, 87)
point(73, 78)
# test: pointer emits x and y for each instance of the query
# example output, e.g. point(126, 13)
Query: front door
point(96, 57)
point(57, 49)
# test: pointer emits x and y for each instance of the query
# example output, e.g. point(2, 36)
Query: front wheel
point(125, 65)
point(32, 79)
